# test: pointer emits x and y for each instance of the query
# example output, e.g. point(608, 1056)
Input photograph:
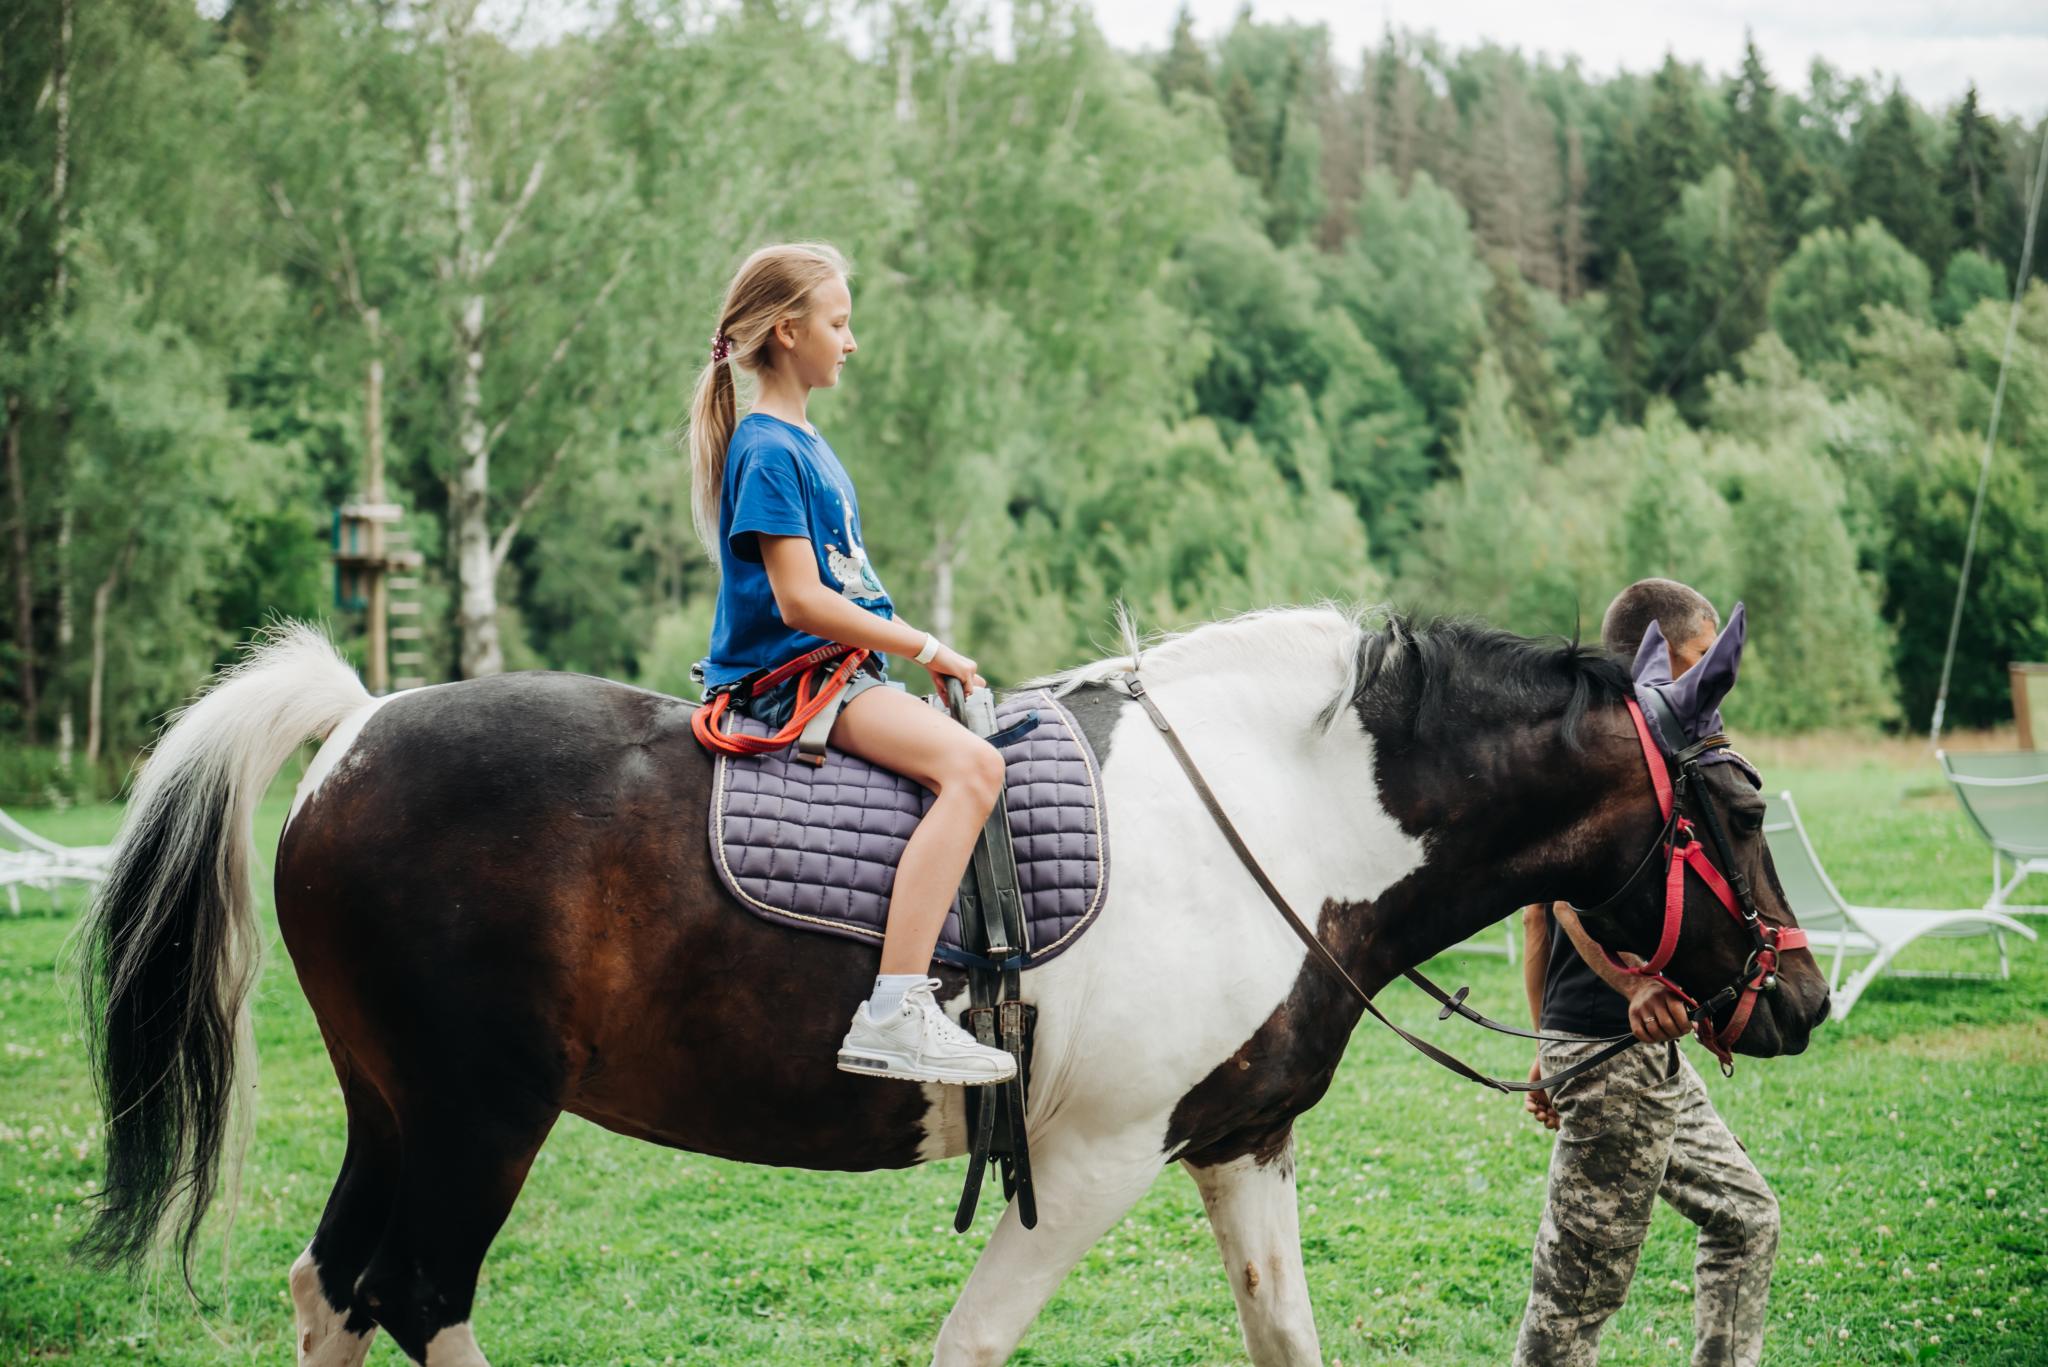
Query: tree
point(1269, 337)
point(1677, 149)
point(1627, 352)
point(1185, 67)
point(477, 162)
point(1818, 123)
point(1819, 649)
point(1510, 175)
point(1572, 245)
point(1755, 136)
point(1251, 145)
point(1520, 345)
point(1822, 291)
point(137, 297)
point(344, 197)
point(1270, 88)
point(1722, 230)
point(1414, 284)
point(1461, 560)
point(1980, 336)
point(1911, 363)
point(2005, 614)
point(1971, 278)
point(1981, 215)
point(1890, 180)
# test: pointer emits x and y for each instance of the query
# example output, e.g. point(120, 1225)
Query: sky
point(1934, 50)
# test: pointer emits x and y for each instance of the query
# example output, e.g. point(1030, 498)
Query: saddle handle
point(976, 711)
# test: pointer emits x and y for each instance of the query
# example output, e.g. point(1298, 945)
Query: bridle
point(1680, 844)
point(1682, 848)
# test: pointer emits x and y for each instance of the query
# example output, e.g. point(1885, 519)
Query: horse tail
point(170, 947)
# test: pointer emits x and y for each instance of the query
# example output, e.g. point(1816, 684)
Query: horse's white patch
point(945, 1116)
point(455, 1346)
point(1189, 958)
point(322, 1338)
point(332, 753)
point(1252, 1211)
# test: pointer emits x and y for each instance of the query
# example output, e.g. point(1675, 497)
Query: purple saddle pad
point(816, 848)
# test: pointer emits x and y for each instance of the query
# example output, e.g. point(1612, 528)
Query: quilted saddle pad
point(816, 848)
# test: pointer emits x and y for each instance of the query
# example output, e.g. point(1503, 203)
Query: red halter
point(1686, 852)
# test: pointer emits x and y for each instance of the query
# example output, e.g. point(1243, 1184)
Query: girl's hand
point(951, 664)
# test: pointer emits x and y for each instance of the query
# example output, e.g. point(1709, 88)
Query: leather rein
point(1683, 851)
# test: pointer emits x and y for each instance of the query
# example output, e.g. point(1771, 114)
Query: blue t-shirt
point(782, 480)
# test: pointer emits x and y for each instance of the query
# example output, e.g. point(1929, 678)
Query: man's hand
point(1537, 1103)
point(1656, 1013)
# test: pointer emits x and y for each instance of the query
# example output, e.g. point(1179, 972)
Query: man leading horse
point(1642, 1126)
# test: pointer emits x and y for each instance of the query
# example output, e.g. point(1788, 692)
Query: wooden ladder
point(408, 654)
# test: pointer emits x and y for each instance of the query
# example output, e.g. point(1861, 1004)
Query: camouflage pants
point(1638, 1128)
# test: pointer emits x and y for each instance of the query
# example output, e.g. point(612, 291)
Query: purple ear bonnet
point(1695, 699)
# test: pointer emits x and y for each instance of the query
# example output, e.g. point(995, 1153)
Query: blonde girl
point(777, 511)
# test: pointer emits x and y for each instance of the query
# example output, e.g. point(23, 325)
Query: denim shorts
point(778, 704)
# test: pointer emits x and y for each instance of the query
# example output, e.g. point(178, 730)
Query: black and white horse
point(500, 901)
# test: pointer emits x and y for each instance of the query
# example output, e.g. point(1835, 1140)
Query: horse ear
point(1653, 658)
point(1717, 669)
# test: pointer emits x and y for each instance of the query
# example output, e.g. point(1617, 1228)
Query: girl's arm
point(807, 605)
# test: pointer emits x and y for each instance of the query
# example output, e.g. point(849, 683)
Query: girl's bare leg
point(964, 772)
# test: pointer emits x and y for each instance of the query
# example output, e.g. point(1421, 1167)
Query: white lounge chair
point(2005, 795)
point(31, 860)
point(1833, 925)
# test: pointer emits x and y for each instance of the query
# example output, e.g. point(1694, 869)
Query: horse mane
point(1415, 675)
point(1410, 677)
point(1261, 635)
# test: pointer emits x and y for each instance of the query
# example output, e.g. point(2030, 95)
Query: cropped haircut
point(1680, 611)
point(774, 283)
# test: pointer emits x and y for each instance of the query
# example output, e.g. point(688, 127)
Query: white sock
point(890, 989)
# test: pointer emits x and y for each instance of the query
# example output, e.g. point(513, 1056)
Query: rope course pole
point(2012, 322)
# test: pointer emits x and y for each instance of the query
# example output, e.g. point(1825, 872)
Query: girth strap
point(993, 935)
point(1308, 937)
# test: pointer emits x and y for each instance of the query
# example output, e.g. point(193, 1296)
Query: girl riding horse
point(779, 515)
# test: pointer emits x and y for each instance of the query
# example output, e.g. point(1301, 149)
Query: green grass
point(1906, 1146)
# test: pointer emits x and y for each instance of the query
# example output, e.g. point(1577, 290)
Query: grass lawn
point(1906, 1146)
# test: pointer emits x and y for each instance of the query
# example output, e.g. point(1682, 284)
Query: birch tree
point(534, 152)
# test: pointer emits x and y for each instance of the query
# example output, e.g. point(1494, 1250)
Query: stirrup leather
point(992, 927)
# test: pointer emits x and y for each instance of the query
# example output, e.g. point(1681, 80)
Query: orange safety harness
point(706, 723)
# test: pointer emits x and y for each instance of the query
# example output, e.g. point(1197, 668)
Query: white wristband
point(929, 650)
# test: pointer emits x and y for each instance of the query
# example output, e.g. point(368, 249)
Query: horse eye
point(1749, 820)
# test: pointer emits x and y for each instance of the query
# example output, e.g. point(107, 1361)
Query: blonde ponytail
point(773, 284)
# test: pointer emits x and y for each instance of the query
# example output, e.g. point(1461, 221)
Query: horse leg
point(1251, 1208)
point(466, 1154)
point(1083, 1190)
point(333, 1330)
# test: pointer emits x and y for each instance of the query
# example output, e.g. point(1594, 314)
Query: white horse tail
point(170, 943)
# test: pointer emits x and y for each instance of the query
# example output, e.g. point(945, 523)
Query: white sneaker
point(920, 1043)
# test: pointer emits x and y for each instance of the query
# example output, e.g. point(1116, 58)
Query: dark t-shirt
point(1575, 1000)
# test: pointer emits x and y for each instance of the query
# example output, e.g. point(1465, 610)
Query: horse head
point(1521, 764)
